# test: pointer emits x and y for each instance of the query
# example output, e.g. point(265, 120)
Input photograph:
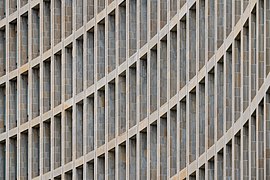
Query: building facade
point(134, 89)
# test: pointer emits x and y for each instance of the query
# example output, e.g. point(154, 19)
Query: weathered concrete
point(134, 89)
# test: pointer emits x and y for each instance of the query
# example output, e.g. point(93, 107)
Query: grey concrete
point(134, 89)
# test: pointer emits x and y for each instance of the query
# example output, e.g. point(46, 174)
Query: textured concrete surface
point(134, 89)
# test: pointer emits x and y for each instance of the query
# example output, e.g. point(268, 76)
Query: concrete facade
point(134, 89)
